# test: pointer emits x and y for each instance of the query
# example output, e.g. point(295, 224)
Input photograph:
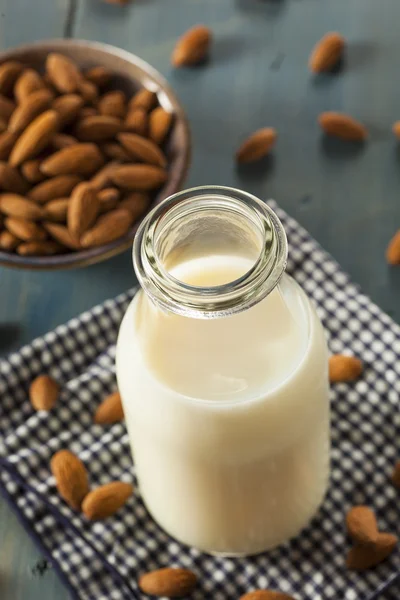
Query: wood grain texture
point(347, 197)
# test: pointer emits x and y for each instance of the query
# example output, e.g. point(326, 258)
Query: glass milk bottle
point(222, 368)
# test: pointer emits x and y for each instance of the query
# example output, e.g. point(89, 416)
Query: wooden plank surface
point(348, 198)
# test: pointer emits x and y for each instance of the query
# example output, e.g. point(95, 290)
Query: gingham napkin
point(102, 560)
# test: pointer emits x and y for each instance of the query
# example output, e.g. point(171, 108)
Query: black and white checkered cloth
point(102, 560)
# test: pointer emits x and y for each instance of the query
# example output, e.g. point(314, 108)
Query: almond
point(25, 230)
point(108, 228)
point(31, 171)
point(344, 368)
point(361, 525)
point(106, 500)
point(8, 241)
point(144, 98)
point(7, 108)
point(62, 235)
point(78, 159)
point(63, 73)
point(56, 210)
point(102, 178)
point(396, 129)
point(159, 124)
point(7, 141)
point(63, 140)
point(108, 199)
point(171, 582)
point(110, 410)
point(43, 391)
point(137, 203)
point(342, 126)
point(193, 47)
point(29, 109)
point(362, 557)
point(266, 595)
point(113, 104)
point(393, 250)
point(116, 152)
point(142, 149)
point(327, 52)
point(35, 138)
point(20, 207)
point(89, 92)
point(3, 126)
point(71, 477)
point(9, 72)
point(82, 210)
point(137, 121)
point(139, 177)
point(45, 248)
point(56, 187)
point(97, 129)
point(87, 111)
point(29, 81)
point(396, 475)
point(257, 145)
point(11, 180)
point(67, 108)
point(100, 76)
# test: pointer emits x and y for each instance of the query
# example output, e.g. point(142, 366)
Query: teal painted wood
point(346, 197)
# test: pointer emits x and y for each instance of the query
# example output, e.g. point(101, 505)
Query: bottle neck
point(209, 221)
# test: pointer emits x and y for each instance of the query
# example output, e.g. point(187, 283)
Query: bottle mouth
point(204, 221)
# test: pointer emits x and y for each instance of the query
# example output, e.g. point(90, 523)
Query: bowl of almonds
point(91, 138)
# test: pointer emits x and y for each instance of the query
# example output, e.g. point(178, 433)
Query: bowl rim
point(83, 258)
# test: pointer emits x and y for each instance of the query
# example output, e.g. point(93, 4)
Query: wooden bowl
point(131, 74)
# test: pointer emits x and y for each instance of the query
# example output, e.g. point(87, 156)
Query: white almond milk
point(228, 417)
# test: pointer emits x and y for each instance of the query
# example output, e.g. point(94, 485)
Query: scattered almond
point(109, 227)
point(106, 500)
point(137, 203)
point(45, 248)
point(108, 199)
point(342, 126)
point(100, 76)
point(193, 47)
point(44, 391)
point(3, 126)
point(89, 92)
point(362, 557)
point(63, 140)
point(29, 109)
point(171, 582)
point(82, 210)
point(115, 151)
point(266, 595)
point(110, 410)
point(67, 107)
point(31, 171)
point(137, 121)
point(7, 108)
point(102, 178)
point(71, 477)
point(344, 368)
point(87, 111)
point(56, 210)
point(25, 230)
point(257, 145)
point(327, 52)
point(56, 187)
point(8, 241)
point(20, 207)
point(77, 159)
point(144, 98)
point(97, 129)
point(396, 475)
point(9, 72)
point(139, 177)
point(63, 73)
point(159, 124)
point(361, 525)
point(142, 149)
point(7, 141)
point(393, 250)
point(61, 234)
point(35, 137)
point(11, 180)
point(113, 104)
point(29, 81)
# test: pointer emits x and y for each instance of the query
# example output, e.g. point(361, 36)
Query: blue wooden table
point(348, 198)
